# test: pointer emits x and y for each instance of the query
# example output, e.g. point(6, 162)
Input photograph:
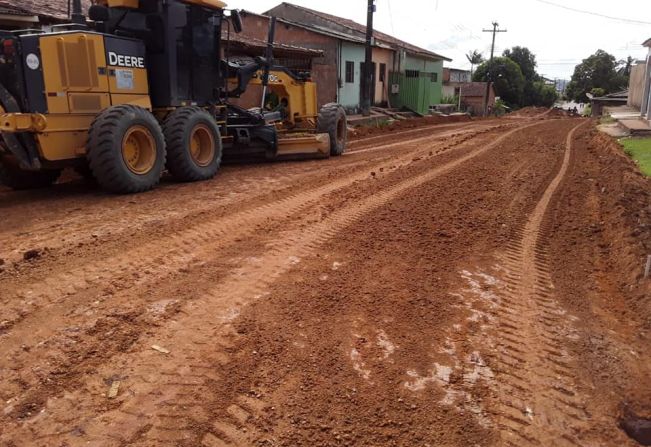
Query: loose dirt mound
point(528, 111)
point(601, 235)
point(558, 113)
point(412, 123)
point(626, 199)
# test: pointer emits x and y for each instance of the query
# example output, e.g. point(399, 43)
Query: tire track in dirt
point(372, 140)
point(180, 248)
point(93, 226)
point(185, 379)
point(538, 401)
point(63, 316)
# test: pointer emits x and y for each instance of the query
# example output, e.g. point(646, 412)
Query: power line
point(583, 11)
point(393, 32)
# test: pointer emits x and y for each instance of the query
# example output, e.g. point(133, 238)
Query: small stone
point(160, 349)
point(31, 254)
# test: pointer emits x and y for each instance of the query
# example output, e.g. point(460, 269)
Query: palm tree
point(624, 66)
point(475, 58)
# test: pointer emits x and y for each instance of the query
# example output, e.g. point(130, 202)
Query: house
point(452, 80)
point(473, 95)
point(404, 75)
point(335, 81)
point(636, 84)
point(645, 101)
point(610, 100)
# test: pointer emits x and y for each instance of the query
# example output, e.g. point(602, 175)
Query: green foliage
point(450, 100)
point(639, 149)
point(597, 91)
point(596, 71)
point(625, 66)
point(500, 108)
point(587, 111)
point(474, 57)
point(525, 59)
point(506, 76)
point(607, 119)
point(544, 95)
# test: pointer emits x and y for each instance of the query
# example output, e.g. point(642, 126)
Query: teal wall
point(349, 92)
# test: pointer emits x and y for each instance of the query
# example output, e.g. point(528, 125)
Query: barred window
point(412, 73)
point(350, 72)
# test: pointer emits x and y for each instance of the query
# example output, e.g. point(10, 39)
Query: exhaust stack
point(77, 15)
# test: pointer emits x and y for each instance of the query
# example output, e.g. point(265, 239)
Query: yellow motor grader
point(143, 88)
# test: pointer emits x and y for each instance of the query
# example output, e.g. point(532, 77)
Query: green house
point(417, 84)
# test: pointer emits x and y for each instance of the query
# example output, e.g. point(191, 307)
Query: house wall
point(636, 85)
point(324, 69)
point(459, 76)
point(349, 92)
point(382, 56)
point(475, 104)
point(428, 67)
point(645, 107)
point(448, 90)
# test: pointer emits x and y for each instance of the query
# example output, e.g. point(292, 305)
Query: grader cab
point(144, 89)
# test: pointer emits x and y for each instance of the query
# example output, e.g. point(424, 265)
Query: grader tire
point(194, 145)
point(14, 177)
point(126, 149)
point(332, 120)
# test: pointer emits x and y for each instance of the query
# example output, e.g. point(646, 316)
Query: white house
point(645, 107)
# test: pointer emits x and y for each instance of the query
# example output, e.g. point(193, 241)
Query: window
point(350, 72)
point(412, 73)
point(434, 77)
point(383, 72)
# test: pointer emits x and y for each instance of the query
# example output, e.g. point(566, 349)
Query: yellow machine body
point(79, 84)
point(294, 141)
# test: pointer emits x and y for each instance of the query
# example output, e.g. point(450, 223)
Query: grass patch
point(607, 119)
point(639, 149)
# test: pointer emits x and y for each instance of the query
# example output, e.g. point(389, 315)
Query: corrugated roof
point(56, 9)
point(315, 29)
point(378, 35)
point(647, 43)
point(258, 43)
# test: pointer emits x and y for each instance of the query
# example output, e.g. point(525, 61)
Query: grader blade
point(303, 146)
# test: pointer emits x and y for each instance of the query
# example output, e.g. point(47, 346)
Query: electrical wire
point(583, 11)
point(390, 16)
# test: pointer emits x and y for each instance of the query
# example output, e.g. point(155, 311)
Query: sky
point(559, 37)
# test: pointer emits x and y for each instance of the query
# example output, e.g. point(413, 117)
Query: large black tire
point(126, 149)
point(14, 177)
point(194, 144)
point(332, 120)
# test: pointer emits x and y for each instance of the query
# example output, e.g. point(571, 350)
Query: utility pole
point(367, 75)
point(495, 30)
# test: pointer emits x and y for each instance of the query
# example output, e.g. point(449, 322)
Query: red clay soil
point(411, 123)
point(475, 284)
point(528, 112)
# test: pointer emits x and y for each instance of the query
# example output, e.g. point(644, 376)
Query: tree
point(625, 66)
point(532, 94)
point(597, 71)
point(506, 76)
point(475, 58)
point(525, 59)
point(544, 94)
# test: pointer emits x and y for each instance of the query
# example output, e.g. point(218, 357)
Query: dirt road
point(454, 285)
